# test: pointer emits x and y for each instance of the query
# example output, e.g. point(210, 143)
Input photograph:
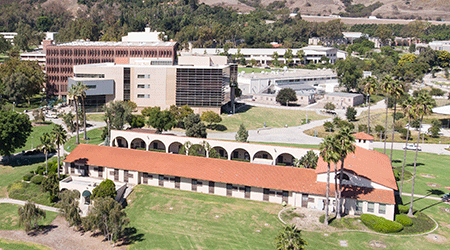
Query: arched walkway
point(120, 142)
point(221, 152)
point(175, 147)
point(263, 155)
point(157, 145)
point(240, 154)
point(138, 143)
point(285, 159)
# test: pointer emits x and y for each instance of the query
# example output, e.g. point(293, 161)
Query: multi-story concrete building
point(60, 58)
point(201, 82)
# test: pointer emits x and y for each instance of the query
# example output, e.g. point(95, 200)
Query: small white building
point(343, 100)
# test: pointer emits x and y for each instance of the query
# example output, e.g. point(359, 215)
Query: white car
point(412, 147)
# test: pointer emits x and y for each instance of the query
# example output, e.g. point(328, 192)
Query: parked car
point(446, 197)
point(412, 147)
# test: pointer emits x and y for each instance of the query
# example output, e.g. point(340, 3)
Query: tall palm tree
point(78, 93)
point(60, 137)
point(290, 238)
point(408, 110)
point(29, 215)
point(82, 91)
point(328, 154)
point(345, 140)
point(386, 86)
point(74, 93)
point(47, 146)
point(370, 87)
point(397, 91)
point(424, 106)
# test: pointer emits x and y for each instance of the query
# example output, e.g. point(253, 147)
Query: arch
point(285, 159)
point(240, 154)
point(262, 155)
point(157, 145)
point(221, 152)
point(120, 142)
point(138, 143)
point(175, 147)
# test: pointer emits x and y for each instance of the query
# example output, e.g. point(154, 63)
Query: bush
point(403, 209)
point(350, 113)
point(404, 220)
point(37, 179)
point(328, 126)
point(397, 174)
point(107, 188)
point(28, 176)
point(381, 225)
point(362, 128)
point(398, 116)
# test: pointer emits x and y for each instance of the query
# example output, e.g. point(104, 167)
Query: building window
point(140, 96)
point(143, 76)
point(141, 86)
point(371, 207)
point(359, 207)
point(382, 209)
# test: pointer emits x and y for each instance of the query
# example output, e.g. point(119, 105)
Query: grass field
point(34, 138)
point(255, 117)
point(94, 135)
point(12, 174)
point(6, 244)
point(192, 223)
point(96, 117)
point(9, 219)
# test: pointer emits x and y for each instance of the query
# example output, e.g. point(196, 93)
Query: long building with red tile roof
point(300, 187)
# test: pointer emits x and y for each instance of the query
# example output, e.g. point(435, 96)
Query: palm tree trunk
point(336, 200)
point(393, 128)
point(57, 169)
point(46, 163)
point(76, 113)
point(410, 212)
point(341, 175)
point(385, 124)
point(404, 157)
point(368, 119)
point(84, 115)
point(327, 194)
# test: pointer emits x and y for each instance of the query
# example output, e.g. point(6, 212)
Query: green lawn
point(250, 70)
point(12, 174)
point(96, 117)
point(9, 219)
point(29, 191)
point(192, 223)
point(427, 164)
point(255, 117)
point(34, 138)
point(6, 244)
point(94, 136)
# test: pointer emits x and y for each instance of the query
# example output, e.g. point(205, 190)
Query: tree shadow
point(435, 192)
point(417, 164)
point(21, 160)
point(396, 161)
point(131, 236)
point(42, 230)
point(219, 127)
point(429, 206)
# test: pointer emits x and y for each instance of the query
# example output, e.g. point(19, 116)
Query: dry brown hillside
point(426, 9)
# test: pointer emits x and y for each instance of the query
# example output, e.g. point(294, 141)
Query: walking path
point(423, 196)
point(19, 202)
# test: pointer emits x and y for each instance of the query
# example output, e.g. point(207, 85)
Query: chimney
point(147, 29)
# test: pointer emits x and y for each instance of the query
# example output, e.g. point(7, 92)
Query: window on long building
point(382, 209)
point(371, 207)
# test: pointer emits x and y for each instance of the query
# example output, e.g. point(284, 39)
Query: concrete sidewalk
point(19, 202)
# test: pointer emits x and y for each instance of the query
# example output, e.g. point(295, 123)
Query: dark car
point(446, 197)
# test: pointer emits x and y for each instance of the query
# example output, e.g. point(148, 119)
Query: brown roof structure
point(363, 136)
point(217, 170)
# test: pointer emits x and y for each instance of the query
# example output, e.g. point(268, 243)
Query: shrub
point(362, 128)
point(404, 220)
point(107, 188)
point(381, 225)
point(351, 113)
point(403, 209)
point(28, 176)
point(398, 116)
point(397, 174)
point(37, 179)
point(328, 126)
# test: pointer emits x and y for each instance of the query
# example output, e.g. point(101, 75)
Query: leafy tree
point(329, 106)
point(107, 216)
point(43, 23)
point(407, 58)
point(51, 185)
point(136, 121)
point(309, 160)
point(38, 115)
point(29, 215)
point(68, 121)
point(26, 37)
point(5, 45)
point(69, 207)
point(180, 113)
point(60, 137)
point(290, 238)
point(116, 115)
point(106, 188)
point(160, 120)
point(444, 58)
point(328, 126)
point(211, 117)
point(242, 134)
point(349, 72)
point(285, 96)
point(384, 33)
point(329, 154)
point(351, 113)
point(14, 131)
point(194, 126)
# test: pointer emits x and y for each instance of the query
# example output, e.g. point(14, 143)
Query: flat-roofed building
point(201, 82)
point(344, 100)
point(37, 55)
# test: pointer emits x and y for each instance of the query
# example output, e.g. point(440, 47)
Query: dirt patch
point(36, 124)
point(377, 244)
point(430, 184)
point(59, 236)
point(427, 176)
point(446, 210)
point(436, 238)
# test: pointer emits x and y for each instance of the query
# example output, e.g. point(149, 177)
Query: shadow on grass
point(242, 109)
point(417, 164)
point(19, 160)
point(131, 236)
point(435, 192)
point(432, 205)
point(218, 127)
point(396, 161)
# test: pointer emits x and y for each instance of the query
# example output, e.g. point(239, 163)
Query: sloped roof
point(363, 136)
point(217, 170)
point(368, 164)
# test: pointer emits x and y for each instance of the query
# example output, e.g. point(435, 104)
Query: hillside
point(425, 9)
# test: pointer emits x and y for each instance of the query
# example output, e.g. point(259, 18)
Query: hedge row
point(380, 224)
point(404, 220)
